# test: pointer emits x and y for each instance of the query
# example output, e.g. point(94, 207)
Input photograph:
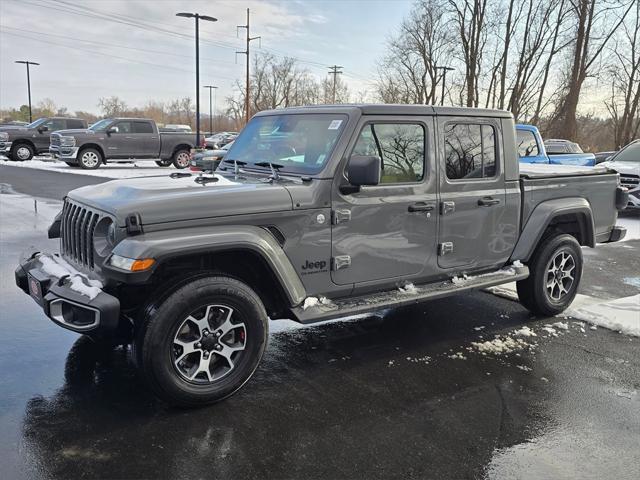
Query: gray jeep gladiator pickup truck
point(315, 213)
point(121, 139)
point(21, 143)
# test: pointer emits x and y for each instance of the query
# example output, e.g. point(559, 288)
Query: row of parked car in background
point(72, 141)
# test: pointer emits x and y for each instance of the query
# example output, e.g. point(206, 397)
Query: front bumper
point(5, 148)
point(97, 316)
point(66, 154)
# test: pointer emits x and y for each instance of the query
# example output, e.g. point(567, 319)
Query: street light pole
point(210, 87)
point(444, 79)
point(27, 63)
point(197, 18)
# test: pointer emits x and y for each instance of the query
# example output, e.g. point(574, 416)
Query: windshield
point(630, 153)
point(37, 123)
point(101, 125)
point(300, 143)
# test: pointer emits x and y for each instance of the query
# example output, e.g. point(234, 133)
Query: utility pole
point(334, 71)
point(444, 79)
point(246, 52)
point(210, 87)
point(27, 63)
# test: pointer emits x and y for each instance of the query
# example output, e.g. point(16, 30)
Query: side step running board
point(397, 298)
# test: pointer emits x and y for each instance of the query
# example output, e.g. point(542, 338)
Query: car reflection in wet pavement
point(399, 395)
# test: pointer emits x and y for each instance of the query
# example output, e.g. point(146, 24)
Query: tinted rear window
point(75, 124)
point(142, 127)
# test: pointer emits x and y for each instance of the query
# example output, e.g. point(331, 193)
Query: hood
point(16, 131)
point(631, 168)
point(12, 127)
point(75, 131)
point(165, 199)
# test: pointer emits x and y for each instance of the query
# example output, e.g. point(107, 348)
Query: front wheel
point(22, 152)
point(555, 273)
point(203, 342)
point(89, 159)
point(163, 163)
point(181, 158)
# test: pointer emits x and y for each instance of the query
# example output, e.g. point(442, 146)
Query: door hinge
point(444, 248)
point(341, 216)
point(447, 207)
point(340, 262)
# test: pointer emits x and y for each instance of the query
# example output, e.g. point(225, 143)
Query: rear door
point(473, 231)
point(388, 231)
point(147, 139)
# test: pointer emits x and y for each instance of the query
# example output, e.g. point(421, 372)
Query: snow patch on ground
point(78, 282)
point(525, 332)
point(501, 344)
point(621, 315)
point(139, 168)
point(508, 291)
point(632, 224)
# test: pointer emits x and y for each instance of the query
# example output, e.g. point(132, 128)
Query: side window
point(71, 123)
point(527, 145)
point(401, 148)
point(142, 127)
point(122, 127)
point(470, 151)
point(55, 124)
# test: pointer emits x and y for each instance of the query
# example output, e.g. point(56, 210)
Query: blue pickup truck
point(531, 149)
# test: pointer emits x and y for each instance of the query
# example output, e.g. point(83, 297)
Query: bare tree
point(112, 106)
point(408, 73)
point(595, 25)
point(625, 74)
point(470, 17)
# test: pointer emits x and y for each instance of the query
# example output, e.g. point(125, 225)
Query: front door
point(474, 233)
point(387, 231)
point(124, 142)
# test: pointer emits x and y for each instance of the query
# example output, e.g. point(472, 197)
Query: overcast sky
point(90, 49)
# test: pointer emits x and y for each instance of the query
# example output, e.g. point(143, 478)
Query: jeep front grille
point(76, 232)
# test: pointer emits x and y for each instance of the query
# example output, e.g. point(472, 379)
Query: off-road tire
point(534, 292)
point(89, 158)
point(154, 342)
point(21, 152)
point(164, 163)
point(181, 158)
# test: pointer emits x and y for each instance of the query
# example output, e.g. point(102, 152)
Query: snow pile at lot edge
point(621, 315)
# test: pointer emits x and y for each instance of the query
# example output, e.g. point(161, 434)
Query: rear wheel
point(89, 158)
point(555, 273)
point(181, 158)
point(21, 152)
point(203, 342)
point(164, 163)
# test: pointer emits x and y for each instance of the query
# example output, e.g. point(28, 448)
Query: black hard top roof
point(393, 109)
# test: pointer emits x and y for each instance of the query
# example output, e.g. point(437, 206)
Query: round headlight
point(104, 237)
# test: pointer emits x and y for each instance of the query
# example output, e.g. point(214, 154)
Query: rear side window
point(527, 145)
point(142, 127)
point(470, 151)
point(401, 148)
point(75, 124)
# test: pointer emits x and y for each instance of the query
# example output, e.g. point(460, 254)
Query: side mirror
point(111, 130)
point(43, 128)
point(364, 170)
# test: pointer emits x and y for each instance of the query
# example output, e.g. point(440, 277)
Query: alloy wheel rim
point(208, 345)
point(90, 159)
point(183, 159)
point(560, 275)
point(23, 153)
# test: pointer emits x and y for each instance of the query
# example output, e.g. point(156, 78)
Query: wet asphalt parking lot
point(403, 394)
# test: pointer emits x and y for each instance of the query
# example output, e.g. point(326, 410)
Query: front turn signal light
point(142, 264)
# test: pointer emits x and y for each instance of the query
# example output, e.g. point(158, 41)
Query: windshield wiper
point(274, 168)
point(236, 164)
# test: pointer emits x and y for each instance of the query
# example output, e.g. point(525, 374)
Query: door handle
point(488, 202)
point(421, 207)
